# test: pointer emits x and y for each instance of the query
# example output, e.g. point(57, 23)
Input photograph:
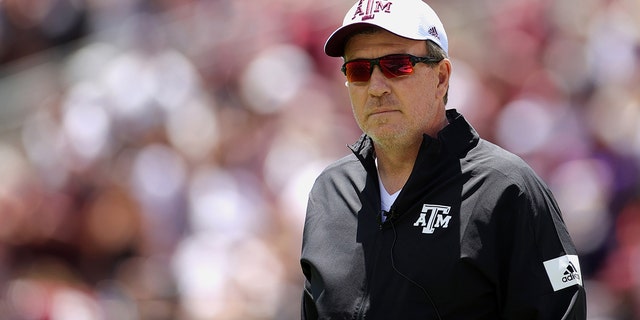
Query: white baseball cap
point(411, 19)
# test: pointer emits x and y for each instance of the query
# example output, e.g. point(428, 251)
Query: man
point(426, 220)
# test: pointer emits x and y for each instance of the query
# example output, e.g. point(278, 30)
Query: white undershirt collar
point(386, 199)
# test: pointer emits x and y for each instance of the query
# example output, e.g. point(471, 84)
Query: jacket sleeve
point(541, 278)
point(308, 309)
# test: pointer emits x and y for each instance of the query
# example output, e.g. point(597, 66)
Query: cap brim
point(334, 47)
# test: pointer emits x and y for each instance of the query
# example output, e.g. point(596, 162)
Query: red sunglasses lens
point(358, 71)
point(395, 66)
point(391, 66)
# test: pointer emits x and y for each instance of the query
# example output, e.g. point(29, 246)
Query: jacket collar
point(459, 136)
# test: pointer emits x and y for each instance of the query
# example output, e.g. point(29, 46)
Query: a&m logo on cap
point(373, 7)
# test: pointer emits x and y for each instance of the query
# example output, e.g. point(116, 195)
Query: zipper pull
point(391, 213)
point(388, 215)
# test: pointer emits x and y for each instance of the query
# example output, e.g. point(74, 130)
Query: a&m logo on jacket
point(438, 218)
point(373, 7)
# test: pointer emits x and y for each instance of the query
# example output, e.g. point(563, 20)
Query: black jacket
point(474, 234)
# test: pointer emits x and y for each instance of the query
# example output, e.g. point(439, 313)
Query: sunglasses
point(394, 65)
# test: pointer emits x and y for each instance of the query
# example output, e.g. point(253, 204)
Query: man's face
point(397, 111)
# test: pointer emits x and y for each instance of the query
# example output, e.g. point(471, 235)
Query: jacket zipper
point(390, 216)
point(365, 298)
point(360, 315)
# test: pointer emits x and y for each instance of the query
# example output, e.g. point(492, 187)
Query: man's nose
point(378, 83)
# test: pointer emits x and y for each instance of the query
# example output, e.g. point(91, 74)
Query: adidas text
point(571, 277)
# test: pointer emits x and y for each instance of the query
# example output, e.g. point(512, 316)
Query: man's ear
point(444, 74)
point(443, 68)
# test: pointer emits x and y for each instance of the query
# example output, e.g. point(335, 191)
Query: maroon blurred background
point(155, 156)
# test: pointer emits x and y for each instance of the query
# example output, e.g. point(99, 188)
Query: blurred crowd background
point(155, 155)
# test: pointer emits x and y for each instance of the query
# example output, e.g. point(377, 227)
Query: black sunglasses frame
point(376, 62)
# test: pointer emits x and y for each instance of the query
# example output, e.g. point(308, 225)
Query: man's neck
point(395, 165)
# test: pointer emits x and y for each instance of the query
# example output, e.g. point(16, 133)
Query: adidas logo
point(563, 271)
point(570, 273)
point(434, 32)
